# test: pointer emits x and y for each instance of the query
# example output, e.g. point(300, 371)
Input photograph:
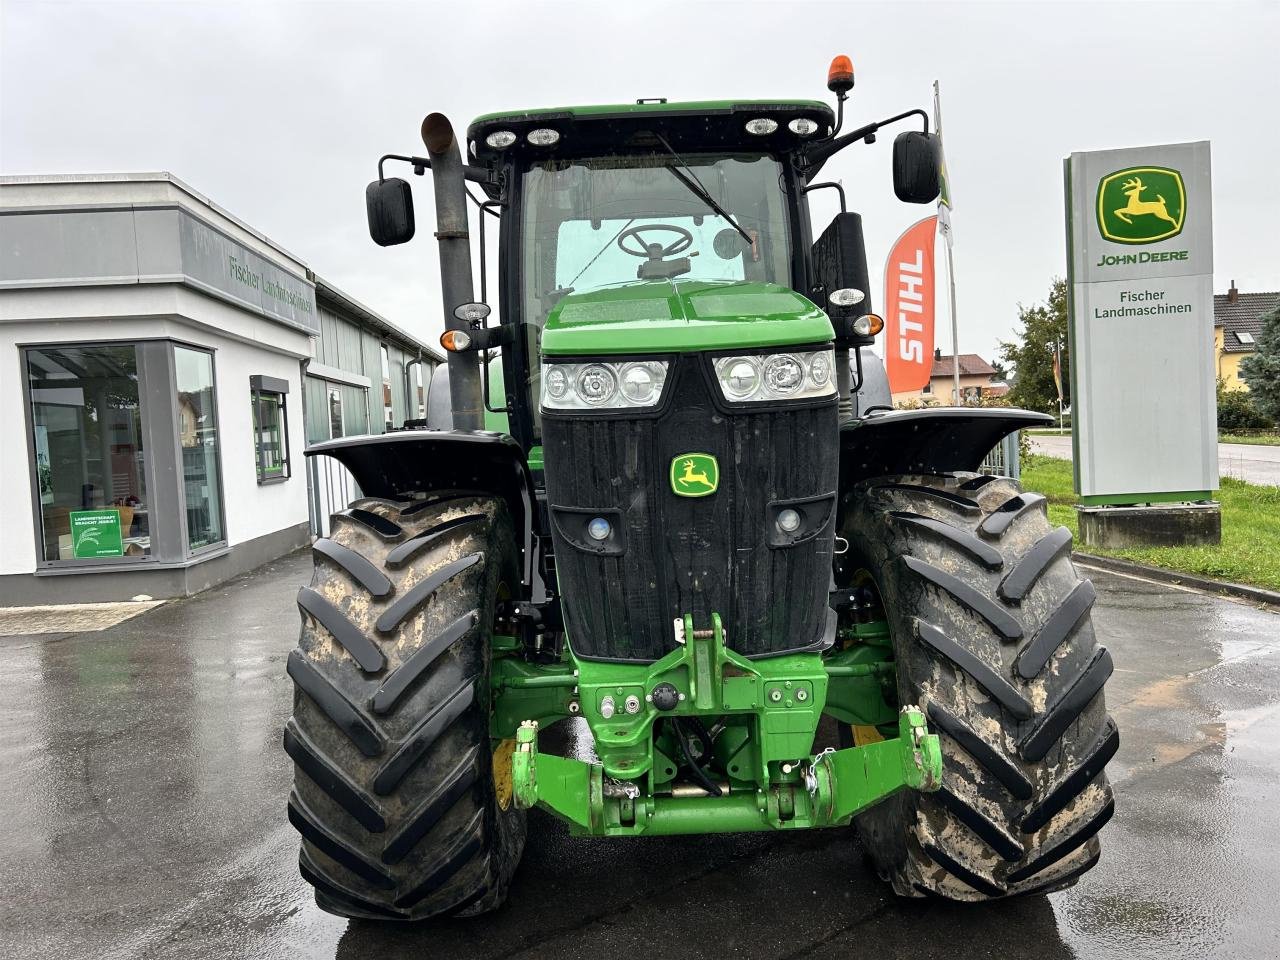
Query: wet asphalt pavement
point(143, 786)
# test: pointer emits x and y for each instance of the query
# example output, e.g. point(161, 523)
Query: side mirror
point(389, 204)
point(840, 263)
point(917, 159)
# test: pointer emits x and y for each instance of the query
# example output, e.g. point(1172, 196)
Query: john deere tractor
point(660, 501)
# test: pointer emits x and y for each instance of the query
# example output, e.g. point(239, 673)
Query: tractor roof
point(621, 127)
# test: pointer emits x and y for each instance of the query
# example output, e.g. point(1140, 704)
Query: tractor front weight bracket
point(833, 786)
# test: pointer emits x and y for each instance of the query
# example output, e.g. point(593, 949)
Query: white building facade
point(153, 356)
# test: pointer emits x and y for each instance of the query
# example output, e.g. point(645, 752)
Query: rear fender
point(933, 440)
point(402, 466)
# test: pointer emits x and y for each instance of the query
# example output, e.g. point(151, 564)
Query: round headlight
point(639, 384)
point(802, 127)
point(741, 377)
point(788, 520)
point(500, 139)
point(543, 136)
point(761, 126)
point(597, 384)
point(557, 383)
point(783, 374)
point(820, 369)
point(599, 529)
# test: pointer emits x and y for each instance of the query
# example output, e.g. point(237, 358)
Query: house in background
point(1237, 325)
point(975, 382)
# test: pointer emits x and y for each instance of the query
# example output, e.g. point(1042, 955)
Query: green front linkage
point(769, 710)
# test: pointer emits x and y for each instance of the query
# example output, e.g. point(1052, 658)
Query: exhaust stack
point(465, 392)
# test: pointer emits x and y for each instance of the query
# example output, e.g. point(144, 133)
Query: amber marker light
point(455, 340)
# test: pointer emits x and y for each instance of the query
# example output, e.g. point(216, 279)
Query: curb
point(1240, 591)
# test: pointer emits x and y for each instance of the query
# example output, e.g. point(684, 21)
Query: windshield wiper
point(698, 190)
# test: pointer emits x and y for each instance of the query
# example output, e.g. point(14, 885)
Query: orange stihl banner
point(908, 313)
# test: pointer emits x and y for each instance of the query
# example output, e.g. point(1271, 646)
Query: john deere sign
point(1141, 205)
point(1141, 270)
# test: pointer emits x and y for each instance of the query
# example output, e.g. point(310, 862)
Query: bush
point(1237, 411)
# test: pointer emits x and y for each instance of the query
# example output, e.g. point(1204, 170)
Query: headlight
point(602, 385)
point(776, 376)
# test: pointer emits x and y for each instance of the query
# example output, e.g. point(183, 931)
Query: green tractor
point(661, 500)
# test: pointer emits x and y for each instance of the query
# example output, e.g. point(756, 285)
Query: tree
point(1261, 369)
point(1043, 327)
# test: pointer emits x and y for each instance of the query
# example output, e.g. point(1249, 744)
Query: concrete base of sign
point(1157, 525)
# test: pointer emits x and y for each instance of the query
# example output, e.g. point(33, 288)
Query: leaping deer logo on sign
point(1141, 205)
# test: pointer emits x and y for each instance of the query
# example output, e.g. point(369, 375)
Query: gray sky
point(278, 111)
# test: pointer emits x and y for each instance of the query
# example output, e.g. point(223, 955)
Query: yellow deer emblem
point(1133, 188)
point(689, 476)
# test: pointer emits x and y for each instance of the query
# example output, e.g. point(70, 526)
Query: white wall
point(244, 344)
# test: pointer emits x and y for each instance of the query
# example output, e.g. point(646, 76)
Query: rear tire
point(394, 790)
point(992, 639)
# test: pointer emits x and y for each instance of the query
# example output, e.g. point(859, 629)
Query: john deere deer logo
point(1141, 205)
point(694, 475)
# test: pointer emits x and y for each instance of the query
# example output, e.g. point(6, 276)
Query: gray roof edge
point(156, 176)
point(327, 291)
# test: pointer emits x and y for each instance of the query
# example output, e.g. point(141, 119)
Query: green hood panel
point(682, 316)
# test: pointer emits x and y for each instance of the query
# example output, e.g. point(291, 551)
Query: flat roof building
point(164, 365)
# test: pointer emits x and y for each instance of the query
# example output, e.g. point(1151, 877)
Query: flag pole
point(944, 223)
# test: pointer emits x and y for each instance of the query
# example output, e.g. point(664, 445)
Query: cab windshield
point(592, 223)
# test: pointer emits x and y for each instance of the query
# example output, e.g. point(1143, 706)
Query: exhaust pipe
point(465, 391)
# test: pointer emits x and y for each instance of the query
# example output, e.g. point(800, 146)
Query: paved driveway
point(1254, 463)
point(143, 790)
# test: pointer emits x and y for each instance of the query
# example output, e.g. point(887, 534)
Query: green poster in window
point(96, 533)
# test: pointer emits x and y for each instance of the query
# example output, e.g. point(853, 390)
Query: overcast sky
point(278, 111)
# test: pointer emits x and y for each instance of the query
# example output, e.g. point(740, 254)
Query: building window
point(927, 388)
point(335, 414)
point(198, 435)
point(270, 427)
point(90, 463)
point(388, 411)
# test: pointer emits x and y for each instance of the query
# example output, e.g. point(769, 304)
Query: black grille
point(693, 555)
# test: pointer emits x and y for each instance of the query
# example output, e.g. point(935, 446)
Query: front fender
point(400, 466)
point(932, 440)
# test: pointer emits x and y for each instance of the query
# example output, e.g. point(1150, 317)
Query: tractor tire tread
point(996, 647)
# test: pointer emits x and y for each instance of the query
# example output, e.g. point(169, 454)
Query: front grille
point(693, 555)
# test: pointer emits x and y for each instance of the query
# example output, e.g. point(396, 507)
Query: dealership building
point(162, 367)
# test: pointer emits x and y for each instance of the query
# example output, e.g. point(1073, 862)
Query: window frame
point(263, 386)
point(157, 401)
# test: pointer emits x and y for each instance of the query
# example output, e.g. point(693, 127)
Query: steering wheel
point(655, 251)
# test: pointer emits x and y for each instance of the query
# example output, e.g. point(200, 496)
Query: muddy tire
point(992, 639)
point(394, 790)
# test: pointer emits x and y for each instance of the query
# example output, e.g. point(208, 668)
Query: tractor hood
point(682, 316)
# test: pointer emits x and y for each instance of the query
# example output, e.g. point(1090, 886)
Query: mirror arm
point(830, 184)
point(420, 164)
point(820, 153)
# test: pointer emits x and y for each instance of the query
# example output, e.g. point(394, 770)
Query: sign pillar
point(1140, 273)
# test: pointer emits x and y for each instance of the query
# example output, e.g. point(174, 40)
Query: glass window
point(335, 414)
point(388, 411)
point(89, 457)
point(198, 436)
point(270, 435)
point(575, 211)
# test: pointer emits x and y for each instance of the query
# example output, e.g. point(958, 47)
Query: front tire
point(394, 790)
point(992, 639)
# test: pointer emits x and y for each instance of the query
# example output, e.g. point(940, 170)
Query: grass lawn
point(1265, 439)
point(1250, 548)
